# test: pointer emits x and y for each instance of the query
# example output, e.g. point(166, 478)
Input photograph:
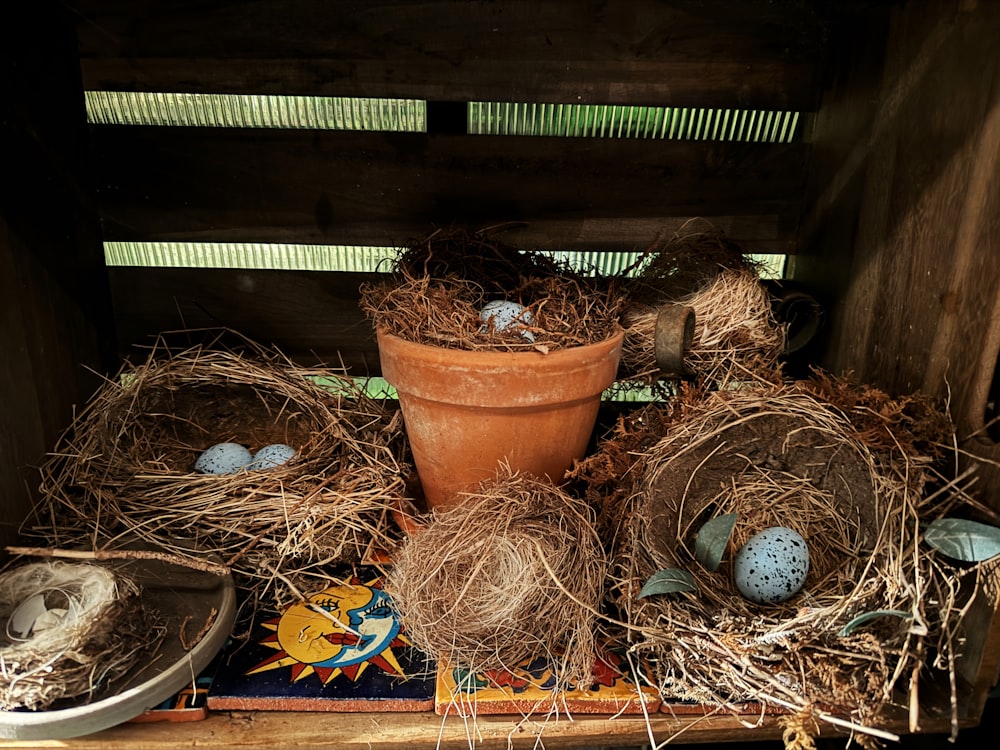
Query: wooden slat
point(427, 731)
point(922, 311)
point(55, 317)
point(754, 53)
point(373, 188)
point(915, 187)
point(312, 317)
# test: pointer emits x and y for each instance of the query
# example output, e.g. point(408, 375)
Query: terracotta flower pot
point(466, 411)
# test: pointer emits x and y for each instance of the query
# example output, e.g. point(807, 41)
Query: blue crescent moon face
point(376, 624)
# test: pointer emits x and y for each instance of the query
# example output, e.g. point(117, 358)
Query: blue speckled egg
point(507, 316)
point(772, 566)
point(271, 456)
point(223, 458)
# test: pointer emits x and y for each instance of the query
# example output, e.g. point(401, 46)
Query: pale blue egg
point(507, 316)
point(271, 456)
point(772, 566)
point(223, 458)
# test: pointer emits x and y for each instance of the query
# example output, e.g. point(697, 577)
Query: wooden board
point(910, 183)
point(313, 317)
point(753, 54)
point(265, 730)
point(55, 312)
point(373, 188)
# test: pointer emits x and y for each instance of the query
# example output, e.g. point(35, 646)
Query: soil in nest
point(773, 471)
point(181, 423)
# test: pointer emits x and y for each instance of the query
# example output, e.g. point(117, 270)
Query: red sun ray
point(325, 674)
point(380, 661)
point(270, 660)
point(351, 670)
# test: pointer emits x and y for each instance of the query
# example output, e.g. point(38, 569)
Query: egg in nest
point(223, 458)
point(772, 566)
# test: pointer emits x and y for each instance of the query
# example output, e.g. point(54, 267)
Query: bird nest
point(71, 630)
point(852, 472)
point(513, 573)
point(441, 284)
point(125, 467)
point(735, 337)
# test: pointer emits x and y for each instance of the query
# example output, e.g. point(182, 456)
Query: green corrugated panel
point(356, 258)
point(613, 121)
point(255, 111)
point(249, 255)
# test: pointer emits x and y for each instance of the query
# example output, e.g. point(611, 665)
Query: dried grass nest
point(736, 337)
point(440, 284)
point(92, 629)
point(512, 573)
point(850, 469)
point(125, 467)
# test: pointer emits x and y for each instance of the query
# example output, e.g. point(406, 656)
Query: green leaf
point(862, 619)
point(668, 581)
point(712, 539)
point(962, 539)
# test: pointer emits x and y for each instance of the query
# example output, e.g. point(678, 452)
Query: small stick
point(122, 554)
point(186, 644)
point(313, 606)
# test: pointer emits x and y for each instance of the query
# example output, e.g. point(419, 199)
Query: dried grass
point(857, 483)
point(440, 285)
point(125, 465)
point(736, 337)
point(513, 572)
point(104, 631)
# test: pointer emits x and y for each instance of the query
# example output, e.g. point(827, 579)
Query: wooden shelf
point(268, 730)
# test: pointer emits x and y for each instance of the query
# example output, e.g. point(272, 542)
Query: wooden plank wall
point(919, 306)
point(754, 54)
point(339, 187)
point(56, 329)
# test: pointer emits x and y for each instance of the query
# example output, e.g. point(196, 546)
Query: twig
point(313, 606)
point(187, 644)
point(122, 554)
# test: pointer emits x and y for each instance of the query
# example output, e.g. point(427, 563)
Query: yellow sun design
point(340, 630)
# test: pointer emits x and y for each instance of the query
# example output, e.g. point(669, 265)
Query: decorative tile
point(529, 689)
point(344, 650)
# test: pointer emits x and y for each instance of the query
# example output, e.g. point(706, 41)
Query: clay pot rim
point(491, 356)
point(526, 379)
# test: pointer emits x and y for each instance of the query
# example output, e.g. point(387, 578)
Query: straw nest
point(442, 282)
point(125, 467)
point(849, 469)
point(71, 630)
point(736, 337)
point(513, 573)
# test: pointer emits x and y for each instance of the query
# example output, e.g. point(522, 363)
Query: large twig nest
point(441, 284)
point(847, 468)
point(736, 337)
point(71, 630)
point(512, 573)
point(126, 466)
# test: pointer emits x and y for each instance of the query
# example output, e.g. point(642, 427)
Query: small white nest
point(69, 629)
